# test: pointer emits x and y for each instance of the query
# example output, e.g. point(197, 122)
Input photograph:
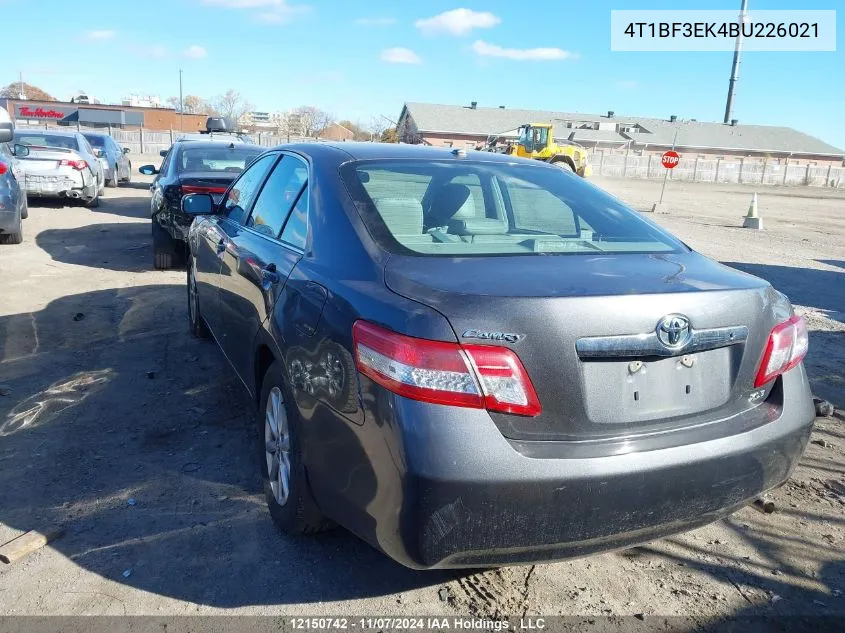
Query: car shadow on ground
point(135, 206)
point(123, 246)
point(141, 442)
point(143, 186)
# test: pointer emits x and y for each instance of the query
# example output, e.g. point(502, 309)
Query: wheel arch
point(264, 357)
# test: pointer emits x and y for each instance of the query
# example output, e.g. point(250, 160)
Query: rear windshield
point(96, 141)
point(221, 159)
point(46, 140)
point(466, 208)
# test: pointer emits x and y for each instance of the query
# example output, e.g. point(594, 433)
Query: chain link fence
point(151, 142)
point(719, 171)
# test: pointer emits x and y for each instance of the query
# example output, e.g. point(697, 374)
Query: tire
point(164, 255)
point(114, 181)
point(94, 202)
point(563, 164)
point(12, 238)
point(129, 175)
point(25, 210)
point(296, 513)
point(102, 190)
point(196, 323)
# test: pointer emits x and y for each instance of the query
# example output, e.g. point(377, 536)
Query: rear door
point(260, 255)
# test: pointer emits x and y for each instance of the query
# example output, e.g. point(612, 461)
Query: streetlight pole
point(729, 106)
point(181, 104)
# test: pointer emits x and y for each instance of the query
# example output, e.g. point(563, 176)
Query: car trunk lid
point(43, 160)
point(585, 328)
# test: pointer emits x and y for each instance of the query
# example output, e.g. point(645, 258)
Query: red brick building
point(85, 115)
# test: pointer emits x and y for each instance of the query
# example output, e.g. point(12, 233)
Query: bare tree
point(313, 120)
point(13, 91)
point(231, 105)
point(192, 103)
point(378, 126)
point(195, 105)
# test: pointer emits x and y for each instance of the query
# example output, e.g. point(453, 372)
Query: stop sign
point(670, 159)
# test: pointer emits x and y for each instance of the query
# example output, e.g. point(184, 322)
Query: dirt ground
point(117, 424)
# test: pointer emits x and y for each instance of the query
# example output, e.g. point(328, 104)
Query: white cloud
point(156, 51)
point(375, 21)
point(195, 52)
point(457, 22)
point(521, 54)
point(283, 13)
point(626, 84)
point(99, 36)
point(268, 11)
point(399, 55)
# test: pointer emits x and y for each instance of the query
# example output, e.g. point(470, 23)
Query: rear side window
point(242, 194)
point(96, 141)
point(296, 228)
point(466, 208)
point(278, 196)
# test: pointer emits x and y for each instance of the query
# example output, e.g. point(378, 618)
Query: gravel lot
point(136, 437)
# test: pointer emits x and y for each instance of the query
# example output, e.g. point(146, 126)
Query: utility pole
point(729, 106)
point(21, 93)
point(181, 104)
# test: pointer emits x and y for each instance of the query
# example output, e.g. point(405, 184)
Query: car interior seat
point(404, 219)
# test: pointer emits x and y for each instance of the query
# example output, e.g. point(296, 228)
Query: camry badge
point(508, 337)
point(674, 331)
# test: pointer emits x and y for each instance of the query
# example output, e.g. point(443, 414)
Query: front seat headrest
point(447, 202)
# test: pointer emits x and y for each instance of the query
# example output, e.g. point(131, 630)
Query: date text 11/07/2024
point(417, 624)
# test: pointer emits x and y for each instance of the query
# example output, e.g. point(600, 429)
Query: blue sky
point(358, 59)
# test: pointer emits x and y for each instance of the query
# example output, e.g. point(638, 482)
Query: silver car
point(61, 164)
point(116, 164)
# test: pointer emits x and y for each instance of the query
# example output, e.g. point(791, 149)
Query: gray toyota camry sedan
point(469, 359)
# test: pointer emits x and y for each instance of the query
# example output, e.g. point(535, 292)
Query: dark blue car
point(13, 204)
point(469, 359)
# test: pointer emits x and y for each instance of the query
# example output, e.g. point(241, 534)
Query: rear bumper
point(60, 185)
point(466, 497)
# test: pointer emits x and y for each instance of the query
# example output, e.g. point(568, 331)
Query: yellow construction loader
point(536, 140)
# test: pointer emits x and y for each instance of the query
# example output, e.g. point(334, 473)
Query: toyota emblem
point(673, 331)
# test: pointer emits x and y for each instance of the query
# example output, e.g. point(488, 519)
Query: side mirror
point(195, 204)
point(163, 153)
point(7, 131)
point(99, 153)
point(125, 150)
point(20, 151)
point(148, 170)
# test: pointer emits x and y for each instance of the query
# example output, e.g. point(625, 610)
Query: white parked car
point(61, 164)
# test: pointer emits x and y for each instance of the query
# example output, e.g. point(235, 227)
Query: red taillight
point(79, 165)
point(186, 189)
point(786, 347)
point(474, 376)
point(3, 168)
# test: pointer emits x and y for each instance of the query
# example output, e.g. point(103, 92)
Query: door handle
point(269, 274)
